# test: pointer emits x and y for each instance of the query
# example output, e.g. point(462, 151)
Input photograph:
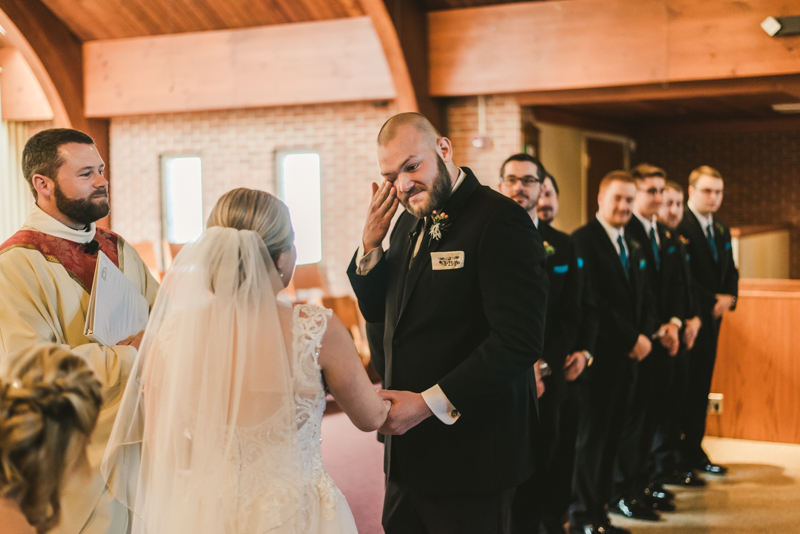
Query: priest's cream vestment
point(46, 273)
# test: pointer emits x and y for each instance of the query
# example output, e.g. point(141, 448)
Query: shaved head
point(417, 121)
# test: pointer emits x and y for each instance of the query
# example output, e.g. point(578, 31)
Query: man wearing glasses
point(521, 177)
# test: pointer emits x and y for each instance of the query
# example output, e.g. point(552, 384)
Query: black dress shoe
point(685, 478)
point(605, 528)
point(656, 504)
point(633, 509)
point(658, 491)
point(713, 469)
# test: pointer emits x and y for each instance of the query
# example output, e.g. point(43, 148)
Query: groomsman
point(521, 177)
point(667, 440)
point(617, 277)
point(660, 246)
point(715, 282)
point(462, 293)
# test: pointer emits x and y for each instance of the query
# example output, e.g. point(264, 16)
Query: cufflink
point(589, 358)
point(454, 414)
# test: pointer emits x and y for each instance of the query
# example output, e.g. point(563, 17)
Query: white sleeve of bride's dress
point(440, 405)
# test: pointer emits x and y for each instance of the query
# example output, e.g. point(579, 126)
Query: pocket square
point(444, 261)
point(560, 269)
point(728, 245)
point(642, 264)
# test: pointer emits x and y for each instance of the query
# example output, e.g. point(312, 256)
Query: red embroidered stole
point(79, 264)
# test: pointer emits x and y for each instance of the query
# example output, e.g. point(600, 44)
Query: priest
point(46, 274)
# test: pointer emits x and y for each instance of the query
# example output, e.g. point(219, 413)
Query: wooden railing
point(758, 364)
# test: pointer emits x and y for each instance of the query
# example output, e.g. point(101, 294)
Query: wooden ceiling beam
point(789, 84)
point(402, 26)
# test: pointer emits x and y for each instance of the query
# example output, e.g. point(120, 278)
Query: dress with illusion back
point(324, 509)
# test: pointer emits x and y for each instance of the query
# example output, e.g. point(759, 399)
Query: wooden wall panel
point(302, 63)
point(570, 44)
point(21, 94)
point(758, 364)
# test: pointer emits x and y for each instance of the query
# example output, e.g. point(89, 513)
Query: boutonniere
point(666, 233)
point(683, 239)
point(720, 229)
point(549, 249)
point(440, 224)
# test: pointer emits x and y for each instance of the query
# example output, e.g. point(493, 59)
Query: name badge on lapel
point(443, 261)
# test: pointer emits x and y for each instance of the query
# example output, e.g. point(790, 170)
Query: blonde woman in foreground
point(219, 428)
point(49, 403)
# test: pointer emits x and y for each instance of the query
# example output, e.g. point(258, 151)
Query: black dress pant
point(557, 480)
point(528, 499)
point(604, 397)
point(406, 511)
point(667, 439)
point(698, 385)
point(631, 470)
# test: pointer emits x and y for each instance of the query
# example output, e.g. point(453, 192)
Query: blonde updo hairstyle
point(259, 211)
point(49, 403)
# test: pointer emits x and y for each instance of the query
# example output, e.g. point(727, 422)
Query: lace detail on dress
point(263, 487)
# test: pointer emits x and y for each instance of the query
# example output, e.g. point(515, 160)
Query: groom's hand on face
point(379, 217)
point(408, 410)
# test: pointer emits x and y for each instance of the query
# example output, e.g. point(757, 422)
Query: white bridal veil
point(213, 362)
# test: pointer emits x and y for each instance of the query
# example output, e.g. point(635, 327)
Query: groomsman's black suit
point(475, 331)
point(624, 311)
point(709, 278)
point(667, 286)
point(667, 440)
point(561, 329)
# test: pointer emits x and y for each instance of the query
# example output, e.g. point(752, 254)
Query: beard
point(545, 214)
point(82, 210)
point(438, 193)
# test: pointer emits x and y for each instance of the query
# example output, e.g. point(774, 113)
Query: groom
point(462, 294)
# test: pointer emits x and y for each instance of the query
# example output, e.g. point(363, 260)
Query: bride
point(219, 427)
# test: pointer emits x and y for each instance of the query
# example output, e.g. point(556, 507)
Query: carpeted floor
point(354, 459)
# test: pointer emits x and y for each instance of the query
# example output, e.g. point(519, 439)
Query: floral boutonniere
point(549, 249)
point(440, 224)
point(683, 239)
point(720, 229)
point(669, 236)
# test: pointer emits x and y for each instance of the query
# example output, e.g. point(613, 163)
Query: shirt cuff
point(677, 322)
point(439, 404)
point(366, 262)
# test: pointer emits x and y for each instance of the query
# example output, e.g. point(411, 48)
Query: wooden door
point(602, 157)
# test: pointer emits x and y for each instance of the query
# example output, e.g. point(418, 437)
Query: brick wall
point(503, 127)
point(237, 148)
point(761, 172)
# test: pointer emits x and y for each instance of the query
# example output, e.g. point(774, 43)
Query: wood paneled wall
point(570, 44)
point(291, 64)
point(758, 364)
point(21, 94)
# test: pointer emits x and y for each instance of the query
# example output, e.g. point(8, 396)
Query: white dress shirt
point(704, 220)
point(613, 234)
point(434, 397)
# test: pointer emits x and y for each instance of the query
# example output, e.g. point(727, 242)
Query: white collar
point(647, 224)
point(461, 176)
point(536, 221)
point(704, 221)
point(612, 232)
point(41, 222)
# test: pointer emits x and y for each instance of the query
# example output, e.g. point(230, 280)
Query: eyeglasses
point(527, 181)
point(653, 191)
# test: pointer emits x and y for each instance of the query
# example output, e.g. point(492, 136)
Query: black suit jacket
point(709, 278)
point(624, 306)
point(667, 283)
point(563, 305)
point(476, 331)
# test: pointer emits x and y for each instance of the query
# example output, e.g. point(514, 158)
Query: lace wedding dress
point(218, 431)
point(324, 509)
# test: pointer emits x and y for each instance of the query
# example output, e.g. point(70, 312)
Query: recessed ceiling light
point(787, 108)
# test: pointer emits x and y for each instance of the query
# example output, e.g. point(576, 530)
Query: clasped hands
point(407, 410)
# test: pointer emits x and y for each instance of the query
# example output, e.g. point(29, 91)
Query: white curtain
point(15, 195)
